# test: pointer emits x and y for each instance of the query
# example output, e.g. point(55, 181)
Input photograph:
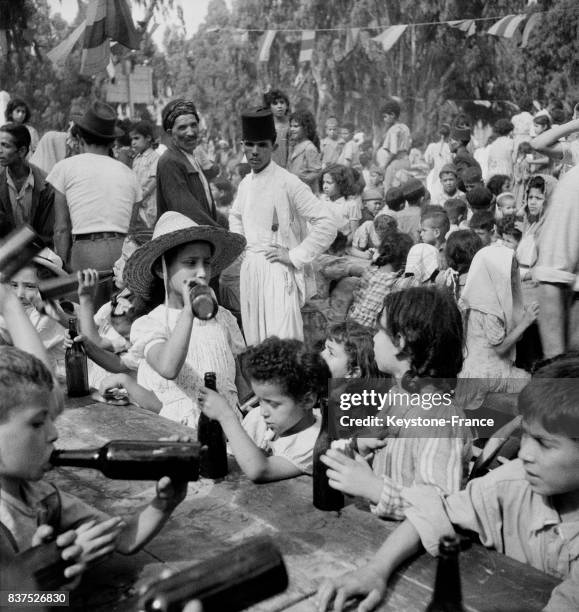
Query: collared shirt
point(376, 284)
point(435, 457)
point(21, 201)
point(397, 139)
point(508, 516)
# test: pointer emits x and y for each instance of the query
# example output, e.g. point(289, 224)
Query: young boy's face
point(373, 206)
point(551, 461)
point(25, 285)
point(510, 241)
point(27, 439)
point(429, 234)
point(345, 134)
point(470, 185)
point(485, 235)
point(332, 129)
point(508, 206)
point(448, 180)
point(375, 178)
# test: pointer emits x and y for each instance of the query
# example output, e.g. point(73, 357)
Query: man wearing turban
point(182, 184)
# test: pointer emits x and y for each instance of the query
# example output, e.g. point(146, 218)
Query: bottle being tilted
point(210, 435)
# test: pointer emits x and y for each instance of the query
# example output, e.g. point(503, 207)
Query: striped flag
point(307, 49)
point(106, 19)
point(59, 54)
point(265, 46)
point(507, 26)
point(529, 26)
point(390, 36)
point(464, 25)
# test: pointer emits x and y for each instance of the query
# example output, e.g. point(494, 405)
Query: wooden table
point(218, 515)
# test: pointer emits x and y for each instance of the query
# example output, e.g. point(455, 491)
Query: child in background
point(449, 186)
point(279, 103)
point(380, 278)
point(369, 235)
point(503, 507)
point(48, 318)
point(541, 164)
point(372, 202)
point(350, 154)
point(175, 347)
point(506, 206)
point(471, 178)
point(330, 146)
point(374, 177)
point(495, 320)
point(508, 233)
point(336, 185)
point(419, 343)
point(240, 171)
point(461, 247)
point(482, 223)
point(349, 351)
point(394, 199)
point(34, 511)
point(521, 171)
point(222, 191)
point(499, 183)
point(414, 193)
point(275, 440)
point(434, 225)
point(304, 158)
point(480, 198)
point(457, 211)
point(145, 167)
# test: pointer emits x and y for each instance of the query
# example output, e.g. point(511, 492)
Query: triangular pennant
point(389, 37)
point(59, 54)
point(464, 25)
point(507, 26)
point(307, 48)
point(529, 26)
point(265, 46)
point(120, 26)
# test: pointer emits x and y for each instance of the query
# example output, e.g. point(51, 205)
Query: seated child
point(375, 177)
point(394, 199)
point(372, 202)
point(368, 236)
point(48, 318)
point(526, 509)
point(336, 184)
point(505, 205)
point(482, 223)
point(419, 343)
point(449, 182)
point(380, 278)
point(33, 511)
point(275, 440)
point(176, 348)
point(471, 178)
point(508, 232)
point(434, 225)
point(349, 351)
point(457, 212)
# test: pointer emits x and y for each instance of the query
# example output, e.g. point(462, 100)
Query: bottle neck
point(75, 458)
point(447, 586)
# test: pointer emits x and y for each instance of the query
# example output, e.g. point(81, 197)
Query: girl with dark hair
point(18, 112)
point(275, 440)
point(305, 159)
point(279, 104)
point(419, 343)
point(145, 167)
point(336, 184)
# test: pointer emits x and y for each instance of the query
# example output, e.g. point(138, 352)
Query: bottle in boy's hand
point(210, 435)
point(46, 565)
point(136, 460)
point(325, 497)
point(447, 596)
point(232, 581)
point(76, 365)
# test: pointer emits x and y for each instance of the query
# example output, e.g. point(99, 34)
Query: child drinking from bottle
point(419, 343)
point(175, 347)
point(275, 440)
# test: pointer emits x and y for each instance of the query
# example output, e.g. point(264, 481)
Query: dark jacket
point(41, 211)
point(179, 188)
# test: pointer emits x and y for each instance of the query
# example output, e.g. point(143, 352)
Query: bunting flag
point(531, 23)
point(265, 47)
point(106, 19)
point(59, 54)
point(3, 42)
point(352, 37)
point(507, 26)
point(307, 49)
point(464, 25)
point(390, 36)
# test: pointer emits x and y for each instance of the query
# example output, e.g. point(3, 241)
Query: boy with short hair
point(372, 202)
point(482, 223)
point(471, 178)
point(434, 225)
point(350, 155)
point(449, 181)
point(330, 146)
point(480, 198)
point(506, 205)
point(395, 200)
point(32, 510)
point(527, 509)
point(508, 232)
point(414, 193)
point(457, 212)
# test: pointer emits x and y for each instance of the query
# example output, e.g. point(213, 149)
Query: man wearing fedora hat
point(271, 210)
point(95, 196)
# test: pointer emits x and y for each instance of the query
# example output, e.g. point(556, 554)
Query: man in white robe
point(286, 226)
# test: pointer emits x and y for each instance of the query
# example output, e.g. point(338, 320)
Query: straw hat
point(174, 229)
point(51, 261)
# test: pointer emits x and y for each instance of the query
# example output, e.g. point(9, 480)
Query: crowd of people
point(453, 270)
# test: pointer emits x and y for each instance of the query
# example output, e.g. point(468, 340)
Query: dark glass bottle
point(136, 459)
point(76, 365)
point(325, 498)
point(210, 434)
point(232, 581)
point(45, 564)
point(447, 596)
point(203, 303)
point(63, 285)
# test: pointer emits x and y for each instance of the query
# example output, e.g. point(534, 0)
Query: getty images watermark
point(373, 408)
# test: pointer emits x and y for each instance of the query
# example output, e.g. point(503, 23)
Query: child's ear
point(309, 400)
point(158, 269)
point(437, 232)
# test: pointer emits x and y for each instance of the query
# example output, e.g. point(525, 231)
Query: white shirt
point(100, 192)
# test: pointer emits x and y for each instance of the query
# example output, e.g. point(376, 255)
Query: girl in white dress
point(177, 347)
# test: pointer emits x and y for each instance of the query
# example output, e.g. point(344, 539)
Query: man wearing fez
point(182, 183)
point(271, 209)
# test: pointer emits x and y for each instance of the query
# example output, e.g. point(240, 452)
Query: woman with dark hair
point(305, 159)
point(279, 104)
point(17, 111)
